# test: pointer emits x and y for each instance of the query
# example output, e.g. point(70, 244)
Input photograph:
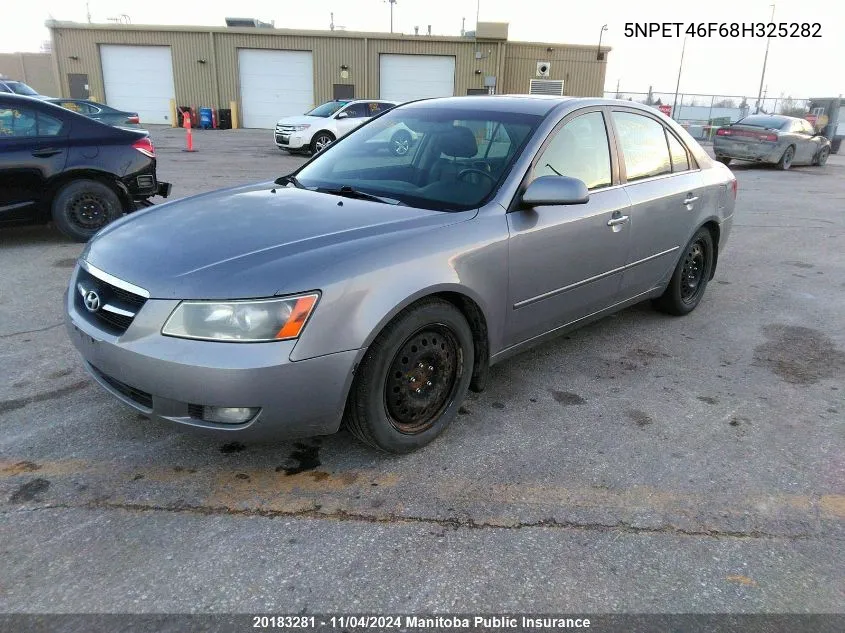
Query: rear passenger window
point(643, 144)
point(579, 150)
point(680, 160)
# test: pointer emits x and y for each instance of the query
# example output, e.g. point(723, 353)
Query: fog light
point(229, 415)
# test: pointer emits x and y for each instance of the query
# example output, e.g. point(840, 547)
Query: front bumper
point(293, 140)
point(162, 376)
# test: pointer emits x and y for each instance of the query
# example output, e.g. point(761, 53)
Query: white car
point(326, 123)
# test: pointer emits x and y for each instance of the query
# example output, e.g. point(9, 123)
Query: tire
point(429, 344)
point(321, 141)
point(834, 145)
point(724, 160)
point(400, 143)
point(785, 161)
point(822, 156)
point(680, 296)
point(82, 207)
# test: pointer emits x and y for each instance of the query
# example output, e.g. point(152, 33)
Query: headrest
point(459, 142)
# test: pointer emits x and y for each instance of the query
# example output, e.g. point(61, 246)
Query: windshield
point(327, 109)
point(431, 158)
point(20, 88)
point(769, 122)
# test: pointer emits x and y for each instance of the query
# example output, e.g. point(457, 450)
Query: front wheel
point(321, 142)
point(413, 378)
point(822, 156)
point(690, 278)
point(82, 207)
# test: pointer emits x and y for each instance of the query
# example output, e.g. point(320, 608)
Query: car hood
point(254, 241)
point(302, 119)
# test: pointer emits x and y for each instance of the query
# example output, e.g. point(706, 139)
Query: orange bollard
point(189, 137)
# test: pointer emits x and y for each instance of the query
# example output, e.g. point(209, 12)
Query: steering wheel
point(472, 170)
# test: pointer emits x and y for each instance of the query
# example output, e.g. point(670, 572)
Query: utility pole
point(391, 2)
point(678, 85)
point(477, 13)
point(765, 59)
point(88, 11)
point(598, 50)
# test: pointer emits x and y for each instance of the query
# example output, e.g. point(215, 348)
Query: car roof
point(524, 104)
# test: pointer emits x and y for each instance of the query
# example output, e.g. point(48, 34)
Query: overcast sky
point(800, 67)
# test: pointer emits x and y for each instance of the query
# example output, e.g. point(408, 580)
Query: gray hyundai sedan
point(373, 290)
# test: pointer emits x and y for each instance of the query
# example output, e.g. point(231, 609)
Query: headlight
point(299, 128)
point(241, 321)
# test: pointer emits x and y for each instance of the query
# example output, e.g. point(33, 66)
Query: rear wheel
point(724, 160)
point(821, 157)
point(82, 207)
point(413, 378)
point(686, 288)
point(785, 161)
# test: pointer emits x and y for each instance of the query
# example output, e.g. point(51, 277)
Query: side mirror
point(555, 190)
point(342, 115)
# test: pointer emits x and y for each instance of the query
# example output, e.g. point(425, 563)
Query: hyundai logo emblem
point(92, 301)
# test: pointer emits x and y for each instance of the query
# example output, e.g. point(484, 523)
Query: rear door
point(565, 262)
point(665, 190)
point(33, 148)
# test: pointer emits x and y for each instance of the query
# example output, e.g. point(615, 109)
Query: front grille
point(118, 307)
point(136, 395)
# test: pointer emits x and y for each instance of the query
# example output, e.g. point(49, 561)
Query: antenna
point(391, 3)
point(463, 24)
point(88, 11)
point(331, 25)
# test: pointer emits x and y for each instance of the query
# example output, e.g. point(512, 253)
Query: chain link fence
point(702, 114)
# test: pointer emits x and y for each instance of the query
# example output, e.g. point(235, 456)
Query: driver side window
point(580, 150)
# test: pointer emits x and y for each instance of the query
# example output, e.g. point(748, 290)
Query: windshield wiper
point(284, 180)
point(349, 192)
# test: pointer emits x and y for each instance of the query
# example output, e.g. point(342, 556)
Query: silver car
point(771, 138)
point(375, 289)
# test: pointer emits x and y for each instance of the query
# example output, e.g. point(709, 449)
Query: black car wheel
point(822, 156)
point(400, 143)
point(321, 142)
point(413, 378)
point(785, 161)
point(689, 281)
point(82, 207)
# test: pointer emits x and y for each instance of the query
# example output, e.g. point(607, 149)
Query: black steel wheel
point(422, 379)
point(413, 378)
point(785, 161)
point(82, 207)
point(822, 156)
point(689, 281)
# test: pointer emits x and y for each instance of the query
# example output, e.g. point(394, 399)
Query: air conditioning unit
point(546, 87)
point(543, 69)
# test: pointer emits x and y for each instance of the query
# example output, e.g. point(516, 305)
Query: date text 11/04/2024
point(439, 622)
point(723, 29)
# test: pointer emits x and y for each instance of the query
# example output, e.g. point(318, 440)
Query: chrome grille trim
point(111, 279)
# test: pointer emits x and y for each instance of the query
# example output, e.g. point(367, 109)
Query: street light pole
point(598, 51)
point(678, 85)
point(765, 59)
point(391, 2)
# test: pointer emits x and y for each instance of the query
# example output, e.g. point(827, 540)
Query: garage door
point(139, 79)
point(407, 77)
point(274, 84)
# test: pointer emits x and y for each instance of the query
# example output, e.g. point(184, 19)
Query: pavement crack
point(41, 329)
point(455, 523)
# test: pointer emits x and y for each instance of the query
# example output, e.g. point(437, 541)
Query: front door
point(78, 85)
point(566, 261)
point(31, 151)
point(356, 114)
point(665, 195)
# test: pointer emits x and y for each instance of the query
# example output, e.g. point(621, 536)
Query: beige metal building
point(267, 73)
point(34, 69)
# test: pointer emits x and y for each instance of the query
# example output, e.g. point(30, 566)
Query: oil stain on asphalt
point(799, 355)
point(306, 456)
point(19, 403)
point(29, 490)
point(232, 447)
point(566, 397)
point(640, 417)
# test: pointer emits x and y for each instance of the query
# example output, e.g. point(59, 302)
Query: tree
point(790, 107)
point(724, 103)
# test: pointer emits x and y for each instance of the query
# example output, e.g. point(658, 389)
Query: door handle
point(46, 152)
point(617, 221)
point(690, 199)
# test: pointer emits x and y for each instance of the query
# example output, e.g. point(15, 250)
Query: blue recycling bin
point(205, 118)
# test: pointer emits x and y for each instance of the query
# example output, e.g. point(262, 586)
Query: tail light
point(760, 136)
point(769, 137)
point(723, 131)
point(133, 119)
point(734, 187)
point(145, 146)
